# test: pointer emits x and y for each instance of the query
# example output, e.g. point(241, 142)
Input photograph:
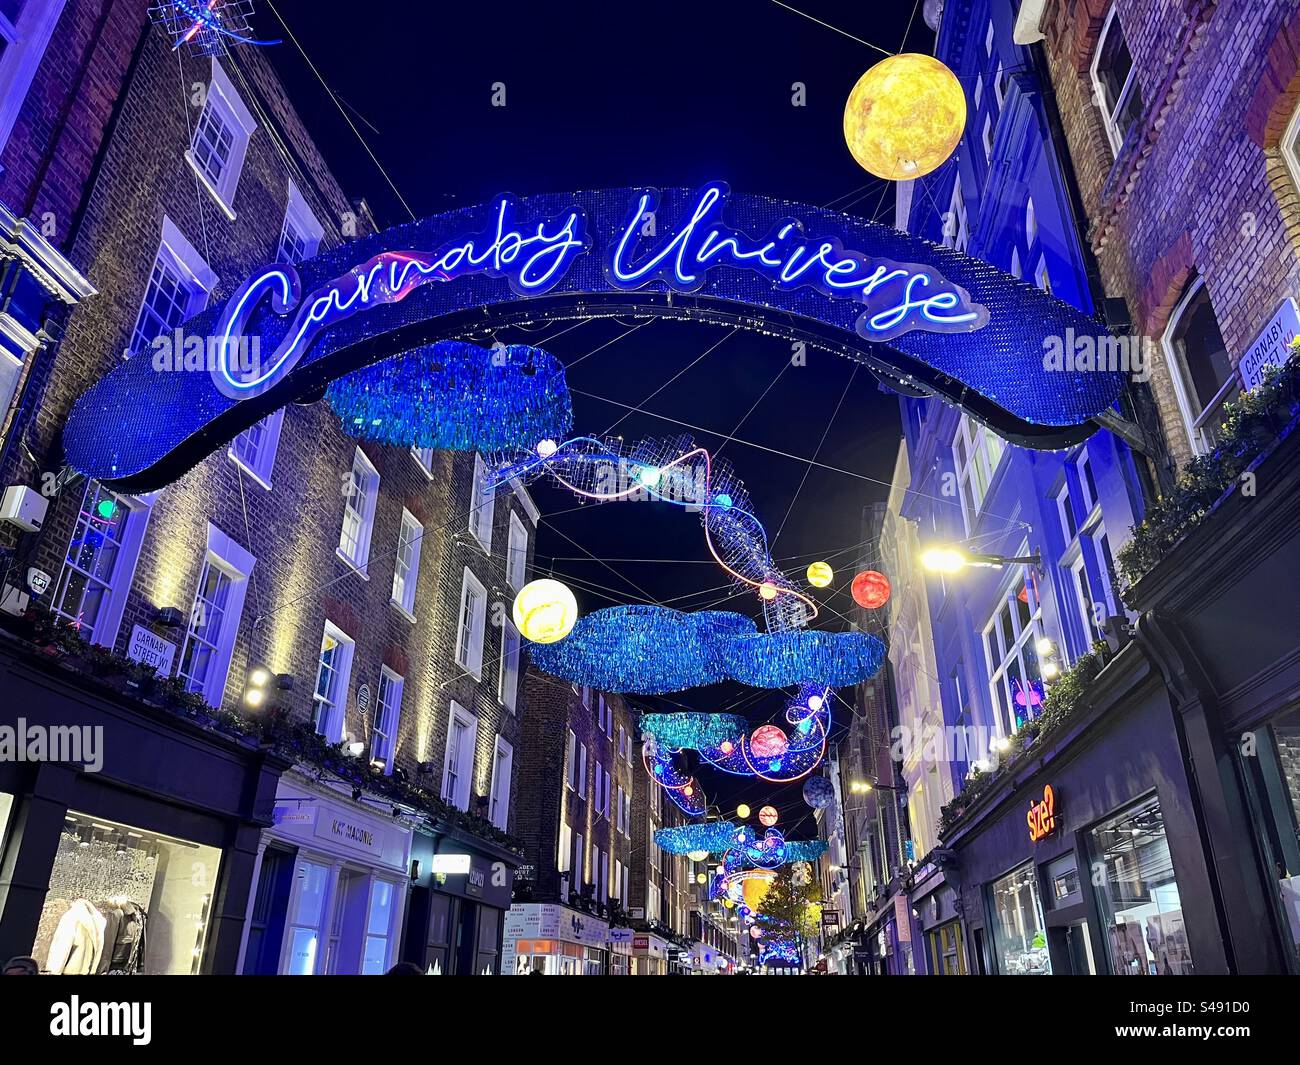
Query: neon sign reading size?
point(1042, 816)
point(534, 257)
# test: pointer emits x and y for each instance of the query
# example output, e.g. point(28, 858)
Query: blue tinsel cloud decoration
point(713, 836)
point(457, 396)
point(778, 659)
point(652, 650)
point(693, 730)
point(646, 650)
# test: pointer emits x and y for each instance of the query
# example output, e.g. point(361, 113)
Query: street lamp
point(945, 558)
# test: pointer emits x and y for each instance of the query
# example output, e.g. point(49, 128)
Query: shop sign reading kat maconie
point(925, 318)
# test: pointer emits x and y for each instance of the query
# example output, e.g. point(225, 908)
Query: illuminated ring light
point(683, 790)
point(806, 743)
point(678, 472)
point(138, 429)
point(457, 397)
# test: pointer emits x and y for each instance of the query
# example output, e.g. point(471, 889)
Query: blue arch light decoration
point(895, 302)
point(459, 397)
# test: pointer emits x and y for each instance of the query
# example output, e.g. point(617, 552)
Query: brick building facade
point(362, 589)
point(1179, 122)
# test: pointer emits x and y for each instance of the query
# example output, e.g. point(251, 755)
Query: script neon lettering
point(531, 261)
point(919, 297)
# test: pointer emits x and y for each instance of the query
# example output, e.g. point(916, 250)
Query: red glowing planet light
point(871, 589)
point(767, 816)
point(768, 741)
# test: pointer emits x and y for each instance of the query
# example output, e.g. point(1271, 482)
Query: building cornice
point(21, 240)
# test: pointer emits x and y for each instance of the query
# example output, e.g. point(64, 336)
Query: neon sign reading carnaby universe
point(534, 256)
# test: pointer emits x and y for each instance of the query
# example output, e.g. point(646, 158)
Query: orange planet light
point(870, 589)
point(904, 117)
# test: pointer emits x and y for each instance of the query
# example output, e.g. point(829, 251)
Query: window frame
point(229, 108)
point(300, 217)
point(262, 463)
point(407, 572)
point(510, 666)
point(1114, 135)
point(975, 440)
point(1194, 424)
point(477, 624)
point(137, 510)
point(482, 506)
point(458, 715)
point(513, 552)
point(493, 795)
point(365, 515)
point(387, 751)
point(28, 39)
point(332, 709)
point(192, 275)
point(233, 561)
point(1025, 635)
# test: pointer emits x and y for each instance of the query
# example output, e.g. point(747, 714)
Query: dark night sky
point(602, 94)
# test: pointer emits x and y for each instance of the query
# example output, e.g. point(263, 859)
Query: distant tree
point(790, 904)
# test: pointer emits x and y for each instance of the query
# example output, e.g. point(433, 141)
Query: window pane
point(1020, 943)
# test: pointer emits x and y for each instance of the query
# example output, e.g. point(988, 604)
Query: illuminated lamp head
point(545, 611)
point(697, 856)
point(546, 448)
point(815, 702)
point(767, 591)
point(726, 746)
point(742, 811)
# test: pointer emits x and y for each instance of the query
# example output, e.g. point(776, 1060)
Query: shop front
point(554, 940)
point(620, 951)
point(1085, 857)
point(128, 834)
point(460, 895)
point(651, 954)
point(331, 885)
point(1221, 611)
point(937, 909)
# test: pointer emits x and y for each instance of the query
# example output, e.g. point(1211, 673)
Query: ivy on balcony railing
point(1251, 425)
point(1063, 700)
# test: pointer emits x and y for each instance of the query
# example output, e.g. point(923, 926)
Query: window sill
point(358, 570)
point(476, 674)
point(402, 610)
point(248, 470)
point(226, 209)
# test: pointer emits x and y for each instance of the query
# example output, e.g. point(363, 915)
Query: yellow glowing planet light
point(904, 117)
point(742, 811)
point(820, 575)
point(545, 611)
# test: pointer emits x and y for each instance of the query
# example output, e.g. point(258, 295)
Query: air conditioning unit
point(24, 507)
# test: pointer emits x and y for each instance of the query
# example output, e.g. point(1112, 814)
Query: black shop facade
point(1084, 855)
point(128, 830)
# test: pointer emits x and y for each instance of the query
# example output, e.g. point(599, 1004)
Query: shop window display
point(124, 901)
point(1273, 769)
point(1019, 940)
point(1145, 931)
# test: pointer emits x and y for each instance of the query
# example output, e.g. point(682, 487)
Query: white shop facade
point(330, 889)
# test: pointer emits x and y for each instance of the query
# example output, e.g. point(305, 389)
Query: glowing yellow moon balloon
point(742, 811)
point(820, 574)
point(545, 611)
point(905, 116)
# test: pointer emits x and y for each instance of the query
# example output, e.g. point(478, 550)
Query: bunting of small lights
point(207, 27)
point(457, 396)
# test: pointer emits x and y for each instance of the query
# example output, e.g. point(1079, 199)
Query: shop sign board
point(903, 918)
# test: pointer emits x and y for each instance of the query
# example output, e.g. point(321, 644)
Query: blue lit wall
point(1019, 510)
